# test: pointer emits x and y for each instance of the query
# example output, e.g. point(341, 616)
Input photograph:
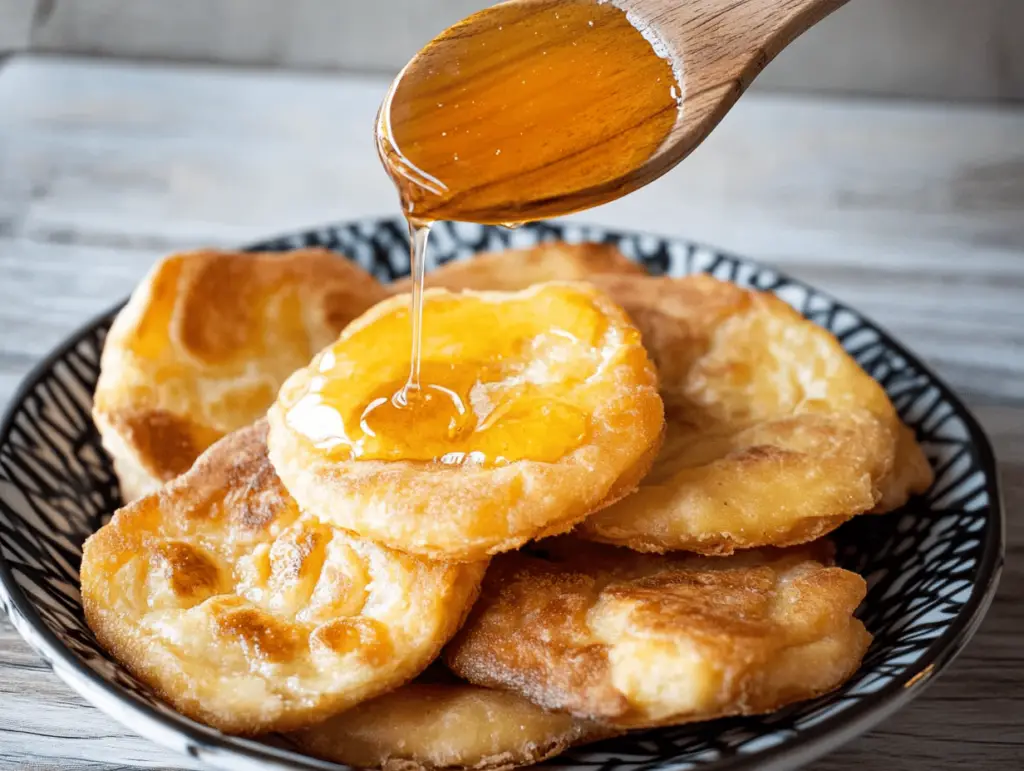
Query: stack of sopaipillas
point(646, 549)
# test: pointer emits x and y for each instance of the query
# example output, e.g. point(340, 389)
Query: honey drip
point(498, 383)
point(419, 233)
point(503, 119)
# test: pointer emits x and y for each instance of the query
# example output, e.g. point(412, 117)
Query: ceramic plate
point(932, 567)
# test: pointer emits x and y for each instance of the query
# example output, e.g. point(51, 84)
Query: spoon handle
point(723, 42)
point(718, 47)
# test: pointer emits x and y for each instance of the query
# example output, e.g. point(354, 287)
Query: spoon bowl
point(540, 108)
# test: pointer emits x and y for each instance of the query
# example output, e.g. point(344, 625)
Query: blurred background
point(880, 157)
point(939, 49)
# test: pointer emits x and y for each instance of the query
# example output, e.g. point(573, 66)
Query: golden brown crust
point(428, 726)
point(205, 342)
point(911, 474)
point(516, 269)
point(638, 640)
point(467, 512)
point(774, 435)
point(249, 615)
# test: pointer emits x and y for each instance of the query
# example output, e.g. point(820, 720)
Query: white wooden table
point(913, 213)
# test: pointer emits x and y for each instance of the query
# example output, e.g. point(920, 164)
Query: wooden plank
point(945, 49)
point(48, 726)
point(48, 290)
point(970, 717)
point(909, 212)
point(16, 17)
point(382, 35)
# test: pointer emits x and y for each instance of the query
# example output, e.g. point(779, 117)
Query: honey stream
point(503, 119)
point(419, 234)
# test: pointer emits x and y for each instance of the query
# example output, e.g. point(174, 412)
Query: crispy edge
point(322, 741)
point(206, 478)
point(150, 444)
point(650, 296)
point(600, 700)
point(515, 269)
point(319, 484)
point(912, 474)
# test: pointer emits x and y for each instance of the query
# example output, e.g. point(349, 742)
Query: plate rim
point(808, 745)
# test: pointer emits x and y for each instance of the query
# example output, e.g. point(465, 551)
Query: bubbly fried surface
point(516, 269)
point(448, 725)
point(640, 640)
point(203, 346)
point(775, 436)
point(911, 473)
point(563, 410)
point(247, 614)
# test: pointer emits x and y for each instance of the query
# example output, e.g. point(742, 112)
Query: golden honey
point(491, 375)
point(527, 110)
point(502, 119)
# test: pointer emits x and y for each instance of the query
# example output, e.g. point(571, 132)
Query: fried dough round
point(249, 615)
point(516, 269)
point(205, 343)
point(774, 435)
point(563, 418)
point(449, 725)
point(911, 473)
point(639, 640)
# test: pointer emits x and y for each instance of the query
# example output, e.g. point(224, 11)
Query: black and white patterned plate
point(932, 567)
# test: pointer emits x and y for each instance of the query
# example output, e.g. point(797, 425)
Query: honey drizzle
point(502, 119)
point(517, 388)
point(419, 234)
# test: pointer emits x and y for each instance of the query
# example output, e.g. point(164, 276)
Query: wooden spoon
point(539, 108)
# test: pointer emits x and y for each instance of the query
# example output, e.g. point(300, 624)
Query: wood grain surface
point(940, 49)
point(913, 213)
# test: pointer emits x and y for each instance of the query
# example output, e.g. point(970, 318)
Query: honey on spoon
point(506, 116)
point(541, 108)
